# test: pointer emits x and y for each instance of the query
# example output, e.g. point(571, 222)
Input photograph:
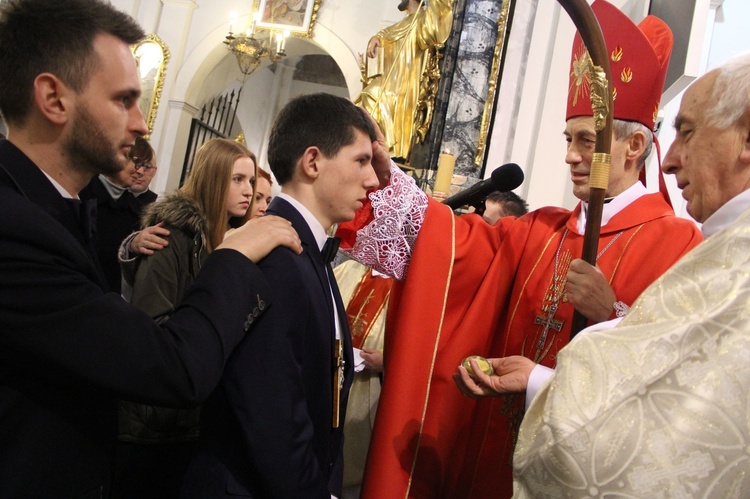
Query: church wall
point(198, 69)
point(256, 116)
point(531, 103)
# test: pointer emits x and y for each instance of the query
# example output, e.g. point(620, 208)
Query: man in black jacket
point(119, 205)
point(68, 348)
point(144, 161)
point(118, 214)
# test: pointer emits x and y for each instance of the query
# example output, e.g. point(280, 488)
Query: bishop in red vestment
point(509, 289)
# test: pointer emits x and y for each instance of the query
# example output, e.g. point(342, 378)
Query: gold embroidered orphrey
point(554, 295)
point(362, 322)
point(552, 301)
point(359, 323)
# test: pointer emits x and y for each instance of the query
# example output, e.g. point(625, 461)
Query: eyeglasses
point(142, 164)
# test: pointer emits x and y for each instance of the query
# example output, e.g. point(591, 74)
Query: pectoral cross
point(338, 380)
point(548, 322)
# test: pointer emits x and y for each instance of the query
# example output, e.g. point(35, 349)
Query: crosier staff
point(601, 102)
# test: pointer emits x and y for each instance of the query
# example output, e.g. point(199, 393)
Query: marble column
point(467, 70)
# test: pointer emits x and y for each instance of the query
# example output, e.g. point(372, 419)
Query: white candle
point(444, 175)
point(253, 25)
point(232, 21)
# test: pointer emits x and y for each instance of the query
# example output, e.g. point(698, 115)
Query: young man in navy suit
point(273, 428)
point(68, 348)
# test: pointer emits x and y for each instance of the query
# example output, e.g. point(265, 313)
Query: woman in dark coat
point(155, 442)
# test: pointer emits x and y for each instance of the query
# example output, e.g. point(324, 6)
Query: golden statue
point(405, 52)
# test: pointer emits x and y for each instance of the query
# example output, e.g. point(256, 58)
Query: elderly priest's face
point(711, 163)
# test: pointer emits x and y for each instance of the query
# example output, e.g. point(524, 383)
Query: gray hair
point(731, 93)
point(624, 129)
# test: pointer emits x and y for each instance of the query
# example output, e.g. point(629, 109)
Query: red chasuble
point(472, 288)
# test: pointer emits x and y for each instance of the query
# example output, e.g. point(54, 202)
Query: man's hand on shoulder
point(259, 236)
point(149, 240)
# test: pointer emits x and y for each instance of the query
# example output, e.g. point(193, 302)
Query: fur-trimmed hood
point(178, 211)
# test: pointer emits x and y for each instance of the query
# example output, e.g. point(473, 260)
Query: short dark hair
point(141, 151)
point(512, 203)
point(322, 120)
point(49, 36)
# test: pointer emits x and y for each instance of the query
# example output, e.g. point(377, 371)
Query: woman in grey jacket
point(155, 442)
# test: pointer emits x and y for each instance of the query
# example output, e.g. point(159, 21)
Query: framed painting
point(296, 16)
point(151, 58)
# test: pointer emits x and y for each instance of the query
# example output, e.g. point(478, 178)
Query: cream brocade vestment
point(659, 406)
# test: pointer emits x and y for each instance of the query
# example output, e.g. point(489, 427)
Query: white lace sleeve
point(387, 242)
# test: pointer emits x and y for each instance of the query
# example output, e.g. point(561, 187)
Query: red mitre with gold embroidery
point(638, 57)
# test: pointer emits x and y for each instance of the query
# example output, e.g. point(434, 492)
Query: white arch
point(207, 55)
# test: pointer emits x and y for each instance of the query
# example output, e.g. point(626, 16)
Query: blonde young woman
point(156, 443)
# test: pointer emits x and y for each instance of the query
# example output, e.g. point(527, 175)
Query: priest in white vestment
point(660, 405)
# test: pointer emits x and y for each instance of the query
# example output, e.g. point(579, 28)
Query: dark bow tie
point(330, 248)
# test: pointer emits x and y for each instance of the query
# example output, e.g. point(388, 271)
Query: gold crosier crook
point(601, 102)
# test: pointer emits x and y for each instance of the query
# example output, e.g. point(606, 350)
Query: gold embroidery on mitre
point(656, 111)
point(626, 75)
point(581, 74)
point(614, 94)
point(616, 54)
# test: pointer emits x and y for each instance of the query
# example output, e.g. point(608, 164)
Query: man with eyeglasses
point(140, 187)
point(118, 207)
point(145, 168)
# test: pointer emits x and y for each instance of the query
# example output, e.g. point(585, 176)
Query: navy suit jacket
point(266, 431)
point(69, 349)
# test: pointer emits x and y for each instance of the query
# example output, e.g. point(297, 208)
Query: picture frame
point(296, 16)
point(151, 56)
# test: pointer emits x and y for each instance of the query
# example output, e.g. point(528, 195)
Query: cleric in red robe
point(509, 289)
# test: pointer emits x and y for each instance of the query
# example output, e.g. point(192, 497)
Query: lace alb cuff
point(386, 243)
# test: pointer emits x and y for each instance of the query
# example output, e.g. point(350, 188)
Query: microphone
point(504, 178)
